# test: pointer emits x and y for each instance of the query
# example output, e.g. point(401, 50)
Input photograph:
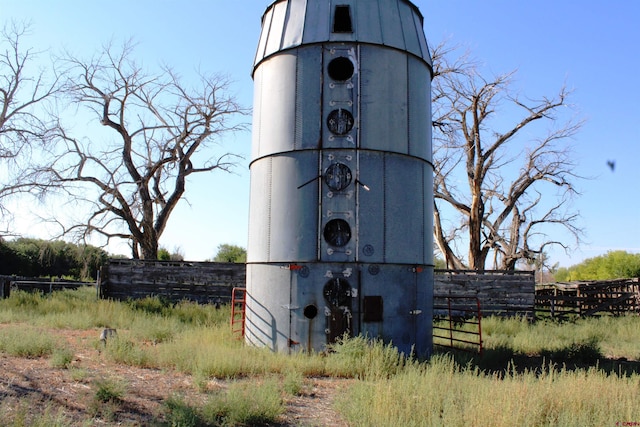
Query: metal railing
point(457, 323)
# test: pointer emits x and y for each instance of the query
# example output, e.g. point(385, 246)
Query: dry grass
point(179, 365)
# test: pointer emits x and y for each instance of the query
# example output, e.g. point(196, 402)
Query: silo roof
point(287, 24)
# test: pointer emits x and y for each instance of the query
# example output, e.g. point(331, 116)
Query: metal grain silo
point(340, 231)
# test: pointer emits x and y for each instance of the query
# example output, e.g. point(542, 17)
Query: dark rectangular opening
point(372, 309)
point(342, 20)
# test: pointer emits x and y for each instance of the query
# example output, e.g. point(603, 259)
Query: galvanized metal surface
point(340, 232)
point(287, 24)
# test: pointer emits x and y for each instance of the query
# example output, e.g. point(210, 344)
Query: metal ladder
point(238, 309)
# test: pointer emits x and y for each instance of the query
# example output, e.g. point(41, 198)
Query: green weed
point(243, 403)
point(61, 358)
point(25, 341)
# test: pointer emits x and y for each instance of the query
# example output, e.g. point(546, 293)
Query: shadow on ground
point(574, 357)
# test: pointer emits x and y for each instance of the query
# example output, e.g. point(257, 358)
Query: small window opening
point(342, 20)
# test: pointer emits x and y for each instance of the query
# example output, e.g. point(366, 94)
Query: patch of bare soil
point(31, 386)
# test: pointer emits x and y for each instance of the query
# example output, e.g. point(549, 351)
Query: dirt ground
point(34, 385)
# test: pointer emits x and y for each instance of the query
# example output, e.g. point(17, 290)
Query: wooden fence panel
point(202, 282)
point(500, 293)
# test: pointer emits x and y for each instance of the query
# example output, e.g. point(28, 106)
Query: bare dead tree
point(159, 133)
point(25, 122)
point(498, 190)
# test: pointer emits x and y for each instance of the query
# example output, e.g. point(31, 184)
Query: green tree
point(231, 253)
point(43, 258)
point(165, 255)
point(612, 265)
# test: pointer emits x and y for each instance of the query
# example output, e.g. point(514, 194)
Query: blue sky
point(591, 46)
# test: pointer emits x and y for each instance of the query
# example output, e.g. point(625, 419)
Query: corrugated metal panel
point(394, 23)
point(294, 220)
point(368, 22)
point(294, 24)
point(256, 133)
point(404, 210)
point(278, 20)
point(264, 35)
point(391, 24)
point(384, 99)
point(409, 31)
point(317, 24)
point(259, 212)
point(266, 326)
point(428, 217)
point(419, 92)
point(397, 285)
point(278, 102)
point(371, 207)
point(424, 48)
point(308, 107)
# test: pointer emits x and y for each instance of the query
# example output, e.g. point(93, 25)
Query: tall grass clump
point(243, 403)
point(441, 393)
point(246, 403)
point(22, 414)
point(611, 337)
point(360, 357)
point(25, 341)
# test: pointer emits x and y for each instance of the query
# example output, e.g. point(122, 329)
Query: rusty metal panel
point(384, 99)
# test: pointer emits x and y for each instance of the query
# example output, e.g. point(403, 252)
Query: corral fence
point(500, 293)
point(30, 284)
point(202, 282)
point(582, 299)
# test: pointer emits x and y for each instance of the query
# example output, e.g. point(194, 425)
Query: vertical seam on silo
point(384, 207)
point(424, 213)
point(296, 110)
point(409, 105)
point(269, 216)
